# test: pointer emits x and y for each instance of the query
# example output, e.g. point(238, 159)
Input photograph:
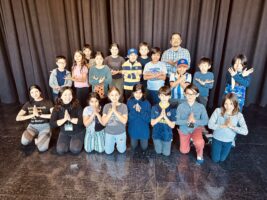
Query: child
point(204, 80)
point(143, 50)
point(163, 121)
point(80, 77)
point(94, 137)
point(115, 116)
point(59, 77)
point(132, 71)
point(88, 51)
point(144, 58)
point(139, 117)
point(191, 116)
point(38, 111)
point(67, 115)
point(178, 82)
point(114, 62)
point(238, 79)
point(226, 122)
point(100, 76)
point(155, 72)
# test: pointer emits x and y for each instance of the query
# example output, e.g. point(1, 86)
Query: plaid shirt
point(171, 55)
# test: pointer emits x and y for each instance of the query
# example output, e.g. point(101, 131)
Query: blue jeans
point(162, 147)
point(111, 140)
point(220, 150)
point(134, 143)
point(153, 97)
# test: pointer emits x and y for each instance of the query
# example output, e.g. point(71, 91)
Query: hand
point(228, 123)
point(191, 118)
point(163, 113)
point(102, 79)
point(200, 81)
point(95, 78)
point(247, 72)
point(35, 111)
point(66, 116)
point(209, 81)
point(114, 107)
point(114, 72)
point(57, 88)
point(232, 71)
point(137, 107)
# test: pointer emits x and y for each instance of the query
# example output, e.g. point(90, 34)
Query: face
point(61, 63)
point(204, 67)
point(99, 60)
point(138, 94)
point(143, 50)
point(78, 57)
point(181, 70)
point(87, 52)
point(114, 51)
point(114, 96)
point(66, 97)
point(164, 98)
point(35, 93)
point(238, 65)
point(155, 57)
point(94, 102)
point(176, 40)
point(191, 95)
point(228, 105)
point(132, 57)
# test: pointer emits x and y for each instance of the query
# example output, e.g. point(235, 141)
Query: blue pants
point(111, 140)
point(162, 147)
point(153, 97)
point(143, 143)
point(220, 150)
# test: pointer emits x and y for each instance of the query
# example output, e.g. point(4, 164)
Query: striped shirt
point(131, 74)
point(171, 55)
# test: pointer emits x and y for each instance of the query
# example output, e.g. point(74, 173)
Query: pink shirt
point(77, 72)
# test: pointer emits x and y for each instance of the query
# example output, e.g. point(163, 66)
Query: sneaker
point(200, 161)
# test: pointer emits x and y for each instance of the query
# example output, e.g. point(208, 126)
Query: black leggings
point(82, 95)
point(72, 143)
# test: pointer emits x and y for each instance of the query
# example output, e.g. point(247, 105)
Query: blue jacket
point(138, 122)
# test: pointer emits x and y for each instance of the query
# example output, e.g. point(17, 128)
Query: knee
point(24, 141)
point(75, 150)
point(42, 148)
point(184, 150)
point(61, 149)
point(199, 143)
point(108, 151)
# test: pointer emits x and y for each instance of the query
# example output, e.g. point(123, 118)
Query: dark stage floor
point(27, 174)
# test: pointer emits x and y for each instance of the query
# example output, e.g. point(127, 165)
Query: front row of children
point(101, 129)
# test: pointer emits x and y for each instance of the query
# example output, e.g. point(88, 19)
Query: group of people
point(102, 99)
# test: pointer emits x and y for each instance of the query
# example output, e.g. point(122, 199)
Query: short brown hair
point(60, 57)
point(165, 90)
point(143, 44)
point(191, 87)
point(205, 60)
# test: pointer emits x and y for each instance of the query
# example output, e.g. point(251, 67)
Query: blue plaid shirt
point(171, 55)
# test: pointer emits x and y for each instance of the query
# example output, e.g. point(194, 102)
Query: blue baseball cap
point(182, 62)
point(132, 50)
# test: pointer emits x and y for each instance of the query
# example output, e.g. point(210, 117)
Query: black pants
point(82, 95)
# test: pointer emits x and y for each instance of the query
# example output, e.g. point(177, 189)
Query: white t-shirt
point(155, 84)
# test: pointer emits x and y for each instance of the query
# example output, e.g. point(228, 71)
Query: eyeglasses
point(190, 95)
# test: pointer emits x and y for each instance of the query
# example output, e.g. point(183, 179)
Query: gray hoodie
point(53, 80)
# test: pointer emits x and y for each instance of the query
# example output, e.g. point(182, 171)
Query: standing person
point(163, 121)
point(175, 53)
point(132, 72)
point(226, 122)
point(178, 81)
point(143, 59)
point(139, 117)
point(191, 116)
point(89, 57)
point(204, 80)
point(67, 115)
point(238, 79)
point(100, 76)
point(80, 77)
point(59, 77)
point(155, 74)
point(114, 62)
point(38, 111)
point(115, 117)
point(92, 120)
